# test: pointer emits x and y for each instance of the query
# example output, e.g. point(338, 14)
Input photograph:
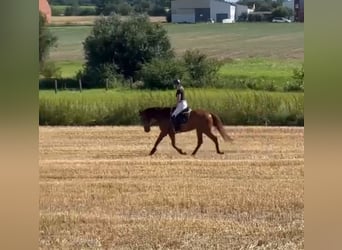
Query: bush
point(194, 69)
point(62, 83)
point(254, 17)
point(107, 72)
point(298, 74)
point(56, 11)
point(257, 17)
point(98, 77)
point(293, 87)
point(157, 11)
point(270, 86)
point(249, 83)
point(282, 12)
point(243, 17)
point(142, 6)
point(72, 11)
point(49, 70)
point(200, 70)
point(160, 73)
point(298, 81)
point(87, 12)
point(124, 9)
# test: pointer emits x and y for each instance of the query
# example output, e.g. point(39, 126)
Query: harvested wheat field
point(89, 20)
point(99, 189)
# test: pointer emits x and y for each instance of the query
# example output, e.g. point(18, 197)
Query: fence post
point(80, 82)
point(55, 86)
point(107, 84)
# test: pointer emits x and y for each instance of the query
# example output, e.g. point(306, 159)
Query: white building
point(241, 9)
point(194, 11)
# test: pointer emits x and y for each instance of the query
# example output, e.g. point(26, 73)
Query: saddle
point(181, 118)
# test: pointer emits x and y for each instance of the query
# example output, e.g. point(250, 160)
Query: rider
point(181, 103)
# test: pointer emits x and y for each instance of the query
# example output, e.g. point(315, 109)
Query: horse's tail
point(218, 124)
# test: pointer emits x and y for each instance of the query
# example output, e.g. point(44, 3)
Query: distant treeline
point(158, 8)
point(70, 2)
point(260, 5)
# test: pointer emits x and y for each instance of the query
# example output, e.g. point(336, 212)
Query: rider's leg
point(180, 107)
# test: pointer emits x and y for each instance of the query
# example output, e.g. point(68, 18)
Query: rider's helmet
point(177, 82)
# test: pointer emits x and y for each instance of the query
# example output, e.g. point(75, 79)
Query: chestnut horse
point(198, 119)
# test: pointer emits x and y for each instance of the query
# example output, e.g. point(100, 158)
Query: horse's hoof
point(183, 153)
point(152, 151)
point(221, 153)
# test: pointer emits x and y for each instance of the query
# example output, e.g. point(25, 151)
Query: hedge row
point(100, 107)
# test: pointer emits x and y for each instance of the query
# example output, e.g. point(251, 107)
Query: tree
point(46, 40)
point(142, 7)
point(282, 12)
point(126, 44)
point(73, 10)
point(242, 17)
point(277, 3)
point(124, 9)
point(153, 7)
point(106, 7)
point(261, 5)
point(264, 7)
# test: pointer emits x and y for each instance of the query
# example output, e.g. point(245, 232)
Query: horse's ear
point(140, 112)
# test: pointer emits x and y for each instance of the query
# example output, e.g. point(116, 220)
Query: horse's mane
point(158, 112)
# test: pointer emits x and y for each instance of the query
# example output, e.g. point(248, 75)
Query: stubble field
point(99, 189)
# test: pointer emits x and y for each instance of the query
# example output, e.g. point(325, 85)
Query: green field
point(69, 68)
point(261, 70)
point(266, 50)
point(69, 45)
point(241, 40)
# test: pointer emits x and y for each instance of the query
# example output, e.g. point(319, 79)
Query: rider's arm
point(178, 97)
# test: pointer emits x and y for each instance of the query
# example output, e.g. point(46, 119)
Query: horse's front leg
point(159, 139)
point(173, 141)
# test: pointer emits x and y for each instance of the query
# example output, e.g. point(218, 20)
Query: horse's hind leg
point(214, 139)
point(173, 142)
point(160, 137)
point(199, 141)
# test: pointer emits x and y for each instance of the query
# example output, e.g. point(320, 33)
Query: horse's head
point(146, 120)
point(155, 116)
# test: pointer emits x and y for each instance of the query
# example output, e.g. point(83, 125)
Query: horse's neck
point(161, 114)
